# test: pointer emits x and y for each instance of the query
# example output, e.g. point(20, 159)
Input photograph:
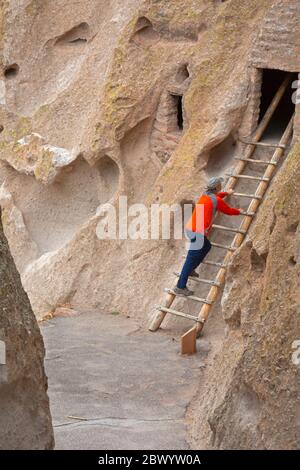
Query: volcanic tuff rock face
point(108, 99)
point(24, 413)
point(103, 99)
point(145, 98)
point(250, 398)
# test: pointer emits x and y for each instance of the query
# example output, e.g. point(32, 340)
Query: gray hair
point(213, 183)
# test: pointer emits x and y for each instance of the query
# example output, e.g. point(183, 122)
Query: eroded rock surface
point(126, 99)
point(24, 412)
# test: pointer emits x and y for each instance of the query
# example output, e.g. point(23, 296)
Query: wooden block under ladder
point(178, 314)
point(204, 281)
point(224, 247)
point(251, 196)
point(251, 160)
point(229, 229)
point(191, 297)
point(248, 177)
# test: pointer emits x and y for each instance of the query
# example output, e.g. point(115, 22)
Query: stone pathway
point(130, 387)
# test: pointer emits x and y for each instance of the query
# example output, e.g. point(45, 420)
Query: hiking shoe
point(183, 292)
point(194, 274)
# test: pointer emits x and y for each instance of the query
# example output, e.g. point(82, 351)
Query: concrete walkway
point(130, 387)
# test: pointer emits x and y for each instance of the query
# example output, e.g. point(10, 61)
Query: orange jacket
point(202, 216)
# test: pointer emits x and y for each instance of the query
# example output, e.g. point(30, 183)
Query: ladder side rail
point(159, 317)
point(238, 239)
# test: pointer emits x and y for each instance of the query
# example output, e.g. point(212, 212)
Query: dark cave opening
point(11, 71)
point(271, 81)
point(177, 99)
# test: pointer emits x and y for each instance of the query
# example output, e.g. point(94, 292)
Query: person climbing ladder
point(198, 228)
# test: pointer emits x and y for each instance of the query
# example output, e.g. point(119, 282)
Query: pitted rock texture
point(24, 412)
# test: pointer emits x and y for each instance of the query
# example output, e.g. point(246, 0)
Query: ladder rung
point(191, 297)
point(225, 247)
point(179, 314)
point(262, 144)
point(204, 281)
point(252, 196)
point(248, 177)
point(251, 160)
point(249, 214)
point(228, 229)
point(214, 263)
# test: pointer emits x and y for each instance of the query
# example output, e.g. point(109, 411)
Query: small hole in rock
point(109, 173)
point(1, 128)
point(292, 228)
point(182, 73)
point(292, 261)
point(258, 262)
point(177, 100)
point(144, 33)
point(75, 36)
point(11, 71)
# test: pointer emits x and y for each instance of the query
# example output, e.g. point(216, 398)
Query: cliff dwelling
point(111, 113)
point(169, 125)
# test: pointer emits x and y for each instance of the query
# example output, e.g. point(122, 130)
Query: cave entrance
point(168, 126)
point(271, 81)
point(178, 111)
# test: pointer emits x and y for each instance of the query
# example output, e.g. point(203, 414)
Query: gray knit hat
point(213, 183)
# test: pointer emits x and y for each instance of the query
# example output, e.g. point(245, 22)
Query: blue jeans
point(199, 248)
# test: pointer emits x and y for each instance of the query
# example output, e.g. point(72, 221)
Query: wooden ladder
point(188, 340)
